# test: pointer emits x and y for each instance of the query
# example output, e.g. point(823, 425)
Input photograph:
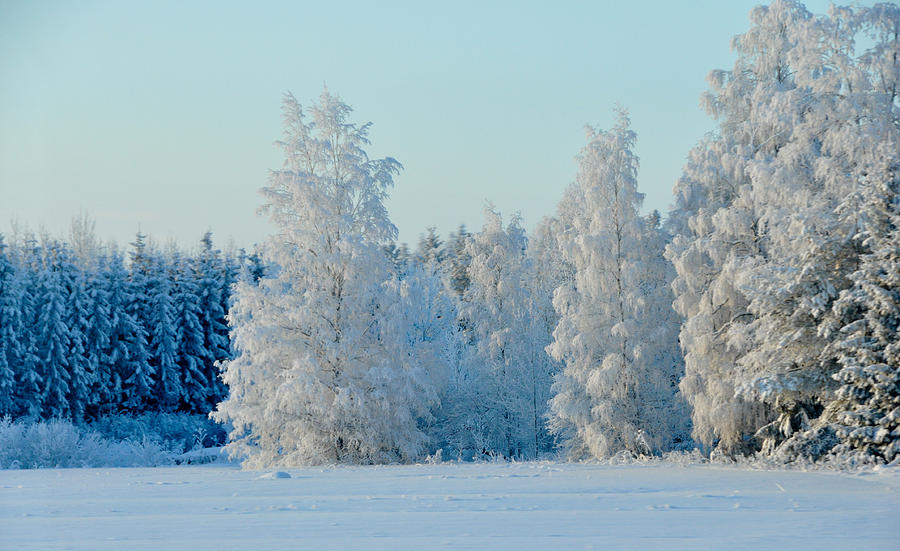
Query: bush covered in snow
point(113, 441)
point(59, 443)
point(178, 432)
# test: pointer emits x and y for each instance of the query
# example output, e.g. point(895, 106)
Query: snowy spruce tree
point(321, 372)
point(399, 256)
point(430, 248)
point(866, 320)
point(212, 291)
point(104, 387)
point(29, 382)
point(138, 374)
point(77, 319)
point(615, 335)
point(53, 334)
point(457, 260)
point(10, 330)
point(127, 341)
point(868, 401)
point(163, 343)
point(191, 353)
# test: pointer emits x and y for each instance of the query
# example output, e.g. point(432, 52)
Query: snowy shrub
point(808, 445)
point(685, 457)
point(179, 432)
point(60, 444)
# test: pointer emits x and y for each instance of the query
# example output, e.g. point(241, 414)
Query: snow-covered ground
point(463, 506)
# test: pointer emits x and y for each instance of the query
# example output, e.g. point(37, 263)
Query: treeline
point(87, 330)
point(781, 258)
point(761, 317)
point(357, 351)
point(482, 315)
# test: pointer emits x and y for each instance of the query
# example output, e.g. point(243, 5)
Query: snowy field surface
point(461, 506)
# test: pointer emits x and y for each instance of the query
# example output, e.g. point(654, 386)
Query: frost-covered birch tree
point(615, 335)
point(321, 373)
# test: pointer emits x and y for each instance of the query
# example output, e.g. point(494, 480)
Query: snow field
point(448, 506)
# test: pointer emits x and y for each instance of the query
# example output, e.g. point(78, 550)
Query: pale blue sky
point(163, 114)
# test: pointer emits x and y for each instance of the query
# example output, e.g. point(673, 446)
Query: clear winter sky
point(163, 114)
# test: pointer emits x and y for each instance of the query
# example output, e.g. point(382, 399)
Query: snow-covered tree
point(78, 321)
point(868, 402)
point(105, 385)
point(400, 257)
point(212, 292)
point(127, 339)
point(424, 317)
point(29, 394)
point(83, 242)
point(319, 375)
point(10, 330)
point(137, 373)
point(163, 343)
point(191, 353)
point(615, 337)
point(809, 198)
point(457, 260)
point(512, 372)
point(550, 271)
point(53, 335)
point(430, 247)
point(866, 411)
